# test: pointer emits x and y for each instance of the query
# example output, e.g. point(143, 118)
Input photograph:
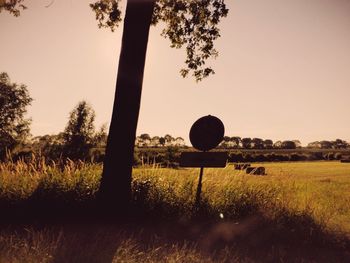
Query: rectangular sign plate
point(203, 159)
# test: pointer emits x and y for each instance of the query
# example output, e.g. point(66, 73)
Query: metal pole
point(199, 188)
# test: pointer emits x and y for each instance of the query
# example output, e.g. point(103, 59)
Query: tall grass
point(233, 194)
point(61, 245)
point(319, 190)
point(293, 212)
point(18, 180)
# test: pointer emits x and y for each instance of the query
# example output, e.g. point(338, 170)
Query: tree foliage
point(79, 134)
point(14, 7)
point(14, 127)
point(107, 13)
point(187, 23)
point(337, 144)
point(288, 145)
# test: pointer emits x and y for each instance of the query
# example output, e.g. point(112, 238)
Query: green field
point(320, 189)
point(298, 212)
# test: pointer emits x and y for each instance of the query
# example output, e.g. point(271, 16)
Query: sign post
point(205, 134)
point(199, 188)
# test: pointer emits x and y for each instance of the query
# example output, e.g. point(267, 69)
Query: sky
point(283, 70)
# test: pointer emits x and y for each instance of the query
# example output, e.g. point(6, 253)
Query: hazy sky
point(283, 71)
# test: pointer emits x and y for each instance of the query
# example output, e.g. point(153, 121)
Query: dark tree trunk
point(115, 190)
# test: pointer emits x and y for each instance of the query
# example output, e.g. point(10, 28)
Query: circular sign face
point(206, 133)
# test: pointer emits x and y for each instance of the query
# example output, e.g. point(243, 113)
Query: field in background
point(320, 189)
point(299, 212)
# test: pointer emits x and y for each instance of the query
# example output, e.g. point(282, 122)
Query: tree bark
point(115, 189)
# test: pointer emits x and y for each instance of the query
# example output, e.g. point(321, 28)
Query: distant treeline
point(235, 142)
point(258, 143)
point(170, 156)
point(166, 149)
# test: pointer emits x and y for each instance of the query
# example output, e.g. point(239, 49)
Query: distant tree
point(326, 145)
point(268, 144)
point(168, 139)
point(237, 141)
point(100, 137)
point(288, 145)
point(50, 146)
point(277, 145)
point(246, 143)
point(155, 141)
point(162, 141)
point(225, 142)
point(79, 134)
point(138, 141)
point(340, 144)
point(315, 144)
point(257, 143)
point(297, 143)
point(145, 136)
point(14, 100)
point(179, 141)
point(145, 139)
point(226, 139)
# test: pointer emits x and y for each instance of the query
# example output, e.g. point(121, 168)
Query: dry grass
point(299, 212)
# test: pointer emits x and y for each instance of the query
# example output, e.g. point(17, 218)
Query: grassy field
point(299, 212)
point(320, 189)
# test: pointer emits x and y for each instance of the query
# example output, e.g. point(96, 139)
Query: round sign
point(206, 133)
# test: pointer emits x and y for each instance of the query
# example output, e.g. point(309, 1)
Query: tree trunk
point(115, 189)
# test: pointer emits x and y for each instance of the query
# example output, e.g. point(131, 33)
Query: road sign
point(206, 133)
point(203, 159)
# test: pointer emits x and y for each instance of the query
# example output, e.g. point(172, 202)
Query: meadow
point(298, 212)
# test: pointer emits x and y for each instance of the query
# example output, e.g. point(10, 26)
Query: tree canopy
point(14, 7)
point(14, 127)
point(80, 131)
point(187, 23)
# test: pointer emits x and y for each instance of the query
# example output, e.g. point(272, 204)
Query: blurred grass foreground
point(298, 212)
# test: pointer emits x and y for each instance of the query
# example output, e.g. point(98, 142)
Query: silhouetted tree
point(155, 141)
point(100, 138)
point(288, 145)
point(162, 141)
point(187, 23)
point(237, 141)
point(192, 24)
point(257, 143)
point(79, 134)
point(340, 144)
point(14, 128)
point(268, 144)
point(326, 144)
point(226, 139)
point(246, 143)
point(297, 143)
point(168, 139)
point(179, 141)
point(277, 145)
point(145, 136)
point(225, 142)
